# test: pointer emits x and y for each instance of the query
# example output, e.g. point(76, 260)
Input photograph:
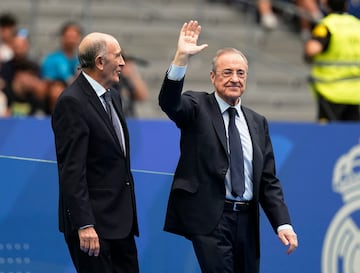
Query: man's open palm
point(188, 38)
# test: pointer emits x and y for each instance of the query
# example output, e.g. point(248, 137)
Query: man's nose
point(122, 61)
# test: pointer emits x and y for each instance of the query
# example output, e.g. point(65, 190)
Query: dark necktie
point(111, 112)
point(236, 156)
point(107, 99)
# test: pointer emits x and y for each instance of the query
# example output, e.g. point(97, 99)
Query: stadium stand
point(148, 29)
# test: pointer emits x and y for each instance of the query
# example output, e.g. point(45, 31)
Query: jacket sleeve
point(271, 193)
point(179, 107)
point(71, 140)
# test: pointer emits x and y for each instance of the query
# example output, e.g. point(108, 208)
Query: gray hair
point(88, 55)
point(224, 51)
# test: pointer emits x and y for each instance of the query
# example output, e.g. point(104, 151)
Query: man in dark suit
point(208, 204)
point(97, 211)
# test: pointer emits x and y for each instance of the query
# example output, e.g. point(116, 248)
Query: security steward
point(334, 51)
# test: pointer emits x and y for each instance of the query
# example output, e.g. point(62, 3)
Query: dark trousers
point(231, 247)
point(328, 111)
point(116, 256)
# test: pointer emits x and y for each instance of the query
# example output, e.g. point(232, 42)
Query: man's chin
point(234, 90)
point(116, 80)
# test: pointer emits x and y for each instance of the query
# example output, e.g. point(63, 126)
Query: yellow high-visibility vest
point(336, 72)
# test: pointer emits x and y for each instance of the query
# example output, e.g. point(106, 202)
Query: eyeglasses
point(227, 73)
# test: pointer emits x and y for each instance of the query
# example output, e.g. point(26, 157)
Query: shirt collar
point(224, 105)
point(99, 89)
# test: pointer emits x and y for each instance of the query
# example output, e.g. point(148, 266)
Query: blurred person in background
point(304, 13)
point(268, 19)
point(62, 64)
point(20, 46)
point(4, 110)
point(310, 14)
point(354, 7)
point(265, 13)
point(334, 52)
point(8, 28)
point(132, 86)
point(28, 91)
point(23, 85)
point(53, 91)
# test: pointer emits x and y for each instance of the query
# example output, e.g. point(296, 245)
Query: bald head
point(100, 58)
point(93, 45)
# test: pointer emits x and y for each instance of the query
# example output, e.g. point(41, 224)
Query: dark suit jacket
point(197, 196)
point(95, 182)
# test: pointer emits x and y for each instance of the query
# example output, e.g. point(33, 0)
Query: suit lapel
point(93, 98)
point(218, 121)
point(96, 103)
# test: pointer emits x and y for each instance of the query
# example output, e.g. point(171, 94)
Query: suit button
point(127, 183)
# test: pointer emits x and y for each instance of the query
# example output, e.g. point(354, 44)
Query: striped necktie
point(113, 118)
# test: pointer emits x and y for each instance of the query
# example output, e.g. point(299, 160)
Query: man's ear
point(212, 76)
point(99, 62)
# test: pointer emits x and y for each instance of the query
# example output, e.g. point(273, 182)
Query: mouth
point(233, 86)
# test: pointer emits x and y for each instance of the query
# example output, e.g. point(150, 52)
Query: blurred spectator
point(268, 19)
point(354, 7)
point(8, 25)
point(303, 13)
point(21, 76)
point(4, 111)
point(28, 91)
point(264, 10)
point(20, 47)
point(311, 14)
point(334, 50)
point(132, 86)
point(62, 64)
point(53, 91)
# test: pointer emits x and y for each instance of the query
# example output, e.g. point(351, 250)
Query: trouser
point(116, 256)
point(232, 247)
point(328, 111)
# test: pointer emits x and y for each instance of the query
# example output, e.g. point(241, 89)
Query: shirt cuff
point(176, 73)
point(86, 226)
point(286, 226)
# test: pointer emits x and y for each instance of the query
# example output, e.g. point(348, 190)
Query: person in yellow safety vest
point(334, 51)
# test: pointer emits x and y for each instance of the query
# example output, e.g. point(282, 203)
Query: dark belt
point(236, 205)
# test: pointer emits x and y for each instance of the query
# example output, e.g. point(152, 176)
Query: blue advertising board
point(319, 166)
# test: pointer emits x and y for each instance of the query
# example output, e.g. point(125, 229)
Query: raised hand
point(187, 43)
